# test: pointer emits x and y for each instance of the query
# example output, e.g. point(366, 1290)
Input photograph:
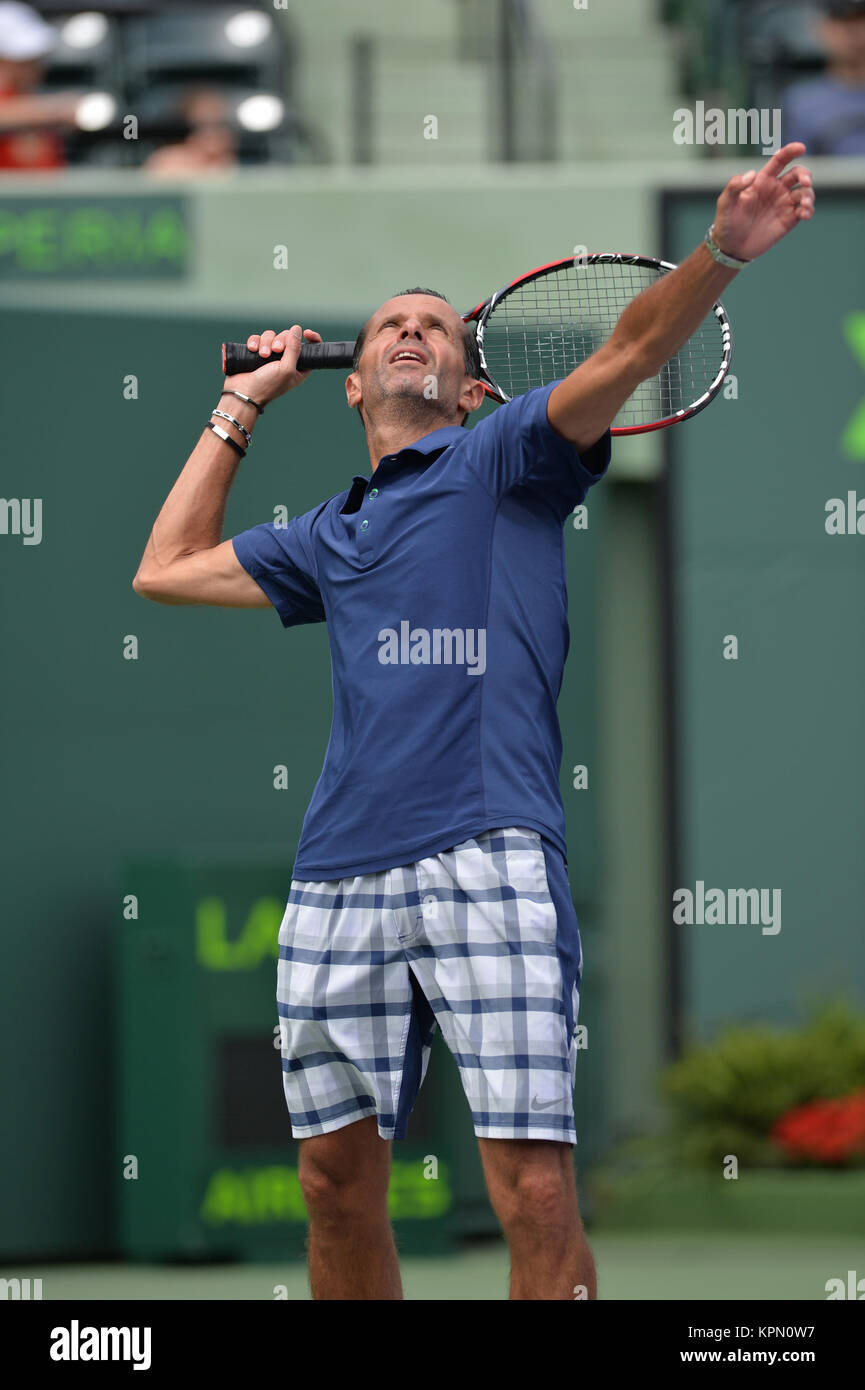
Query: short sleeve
point(280, 560)
point(799, 114)
point(516, 445)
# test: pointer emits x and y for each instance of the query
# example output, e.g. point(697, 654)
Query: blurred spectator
point(828, 112)
point(210, 144)
point(29, 120)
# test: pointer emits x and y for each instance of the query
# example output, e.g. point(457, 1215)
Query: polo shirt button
point(363, 525)
point(374, 492)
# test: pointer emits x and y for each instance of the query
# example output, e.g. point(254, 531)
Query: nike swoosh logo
point(543, 1104)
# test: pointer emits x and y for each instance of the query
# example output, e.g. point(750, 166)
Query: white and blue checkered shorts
point(481, 939)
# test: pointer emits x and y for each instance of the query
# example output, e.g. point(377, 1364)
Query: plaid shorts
point(481, 939)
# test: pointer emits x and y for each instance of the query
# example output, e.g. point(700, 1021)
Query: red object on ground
point(828, 1131)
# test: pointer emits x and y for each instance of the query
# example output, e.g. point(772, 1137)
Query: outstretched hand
point(757, 209)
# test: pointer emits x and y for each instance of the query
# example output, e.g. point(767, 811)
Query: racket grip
point(236, 357)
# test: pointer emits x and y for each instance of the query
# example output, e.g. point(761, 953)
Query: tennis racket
point(545, 323)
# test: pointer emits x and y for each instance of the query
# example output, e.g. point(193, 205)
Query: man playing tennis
point(430, 885)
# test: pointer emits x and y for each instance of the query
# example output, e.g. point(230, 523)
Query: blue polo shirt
point(442, 582)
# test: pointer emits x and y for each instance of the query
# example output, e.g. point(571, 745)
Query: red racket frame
point(482, 311)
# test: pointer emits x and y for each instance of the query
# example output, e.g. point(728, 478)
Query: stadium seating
point(149, 57)
point(743, 52)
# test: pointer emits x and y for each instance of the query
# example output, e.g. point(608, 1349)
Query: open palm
point(757, 209)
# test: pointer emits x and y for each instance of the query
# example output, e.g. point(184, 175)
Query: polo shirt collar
point(439, 439)
point(436, 442)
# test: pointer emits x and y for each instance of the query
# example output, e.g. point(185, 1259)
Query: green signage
point(44, 238)
point(258, 939)
point(257, 1196)
point(853, 442)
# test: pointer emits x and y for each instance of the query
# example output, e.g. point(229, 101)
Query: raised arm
point(754, 212)
point(185, 559)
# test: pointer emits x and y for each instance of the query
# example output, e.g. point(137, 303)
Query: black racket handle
point(236, 357)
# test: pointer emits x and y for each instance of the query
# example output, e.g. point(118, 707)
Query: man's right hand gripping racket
point(542, 325)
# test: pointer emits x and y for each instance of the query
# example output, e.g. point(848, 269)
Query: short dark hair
point(470, 343)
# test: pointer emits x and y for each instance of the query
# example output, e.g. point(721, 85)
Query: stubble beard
point(406, 404)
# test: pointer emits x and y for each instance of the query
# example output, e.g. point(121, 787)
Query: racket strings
point(541, 330)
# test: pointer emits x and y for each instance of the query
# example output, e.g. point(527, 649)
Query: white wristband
point(729, 261)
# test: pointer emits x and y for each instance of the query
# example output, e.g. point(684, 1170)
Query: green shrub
point(725, 1097)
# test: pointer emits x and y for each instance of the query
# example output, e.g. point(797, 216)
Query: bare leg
point(534, 1195)
point(344, 1178)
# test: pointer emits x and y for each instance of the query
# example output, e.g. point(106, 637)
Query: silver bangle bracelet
point(237, 425)
point(730, 262)
point(240, 396)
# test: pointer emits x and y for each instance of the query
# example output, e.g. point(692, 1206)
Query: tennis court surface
point(632, 1267)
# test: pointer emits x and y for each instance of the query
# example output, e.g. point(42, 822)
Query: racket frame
point(481, 313)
